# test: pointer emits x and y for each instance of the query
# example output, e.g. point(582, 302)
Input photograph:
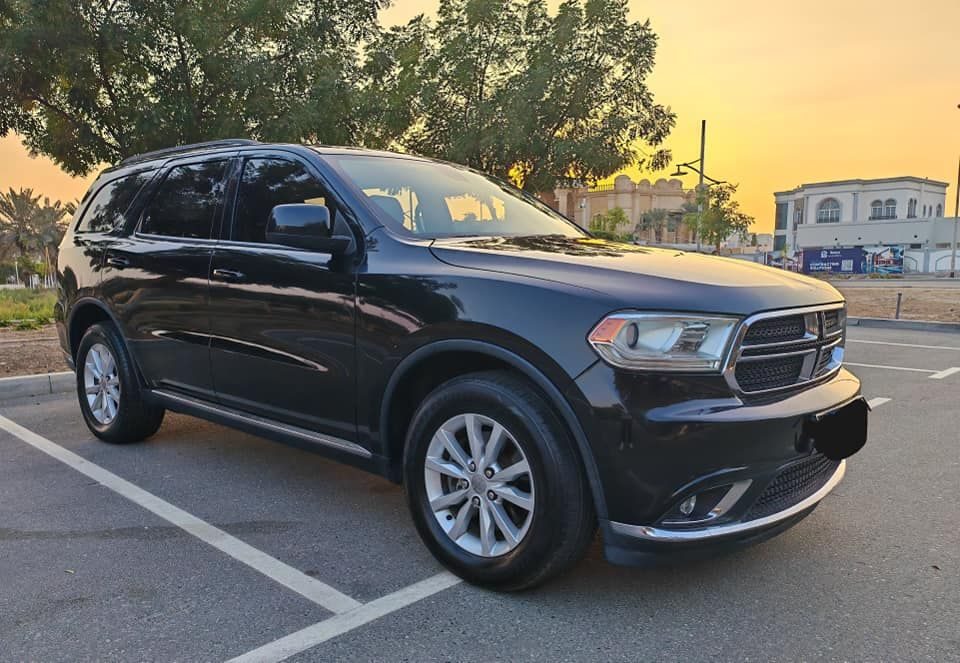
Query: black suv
point(524, 380)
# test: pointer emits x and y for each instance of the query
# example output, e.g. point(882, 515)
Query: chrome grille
point(775, 330)
point(787, 350)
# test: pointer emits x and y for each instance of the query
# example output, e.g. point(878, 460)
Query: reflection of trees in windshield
point(452, 200)
point(574, 246)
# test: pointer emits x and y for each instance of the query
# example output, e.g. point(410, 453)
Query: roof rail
point(178, 149)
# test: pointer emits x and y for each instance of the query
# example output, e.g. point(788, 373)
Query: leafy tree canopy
point(501, 85)
point(721, 216)
point(505, 87)
point(658, 219)
point(610, 224)
point(94, 81)
point(33, 227)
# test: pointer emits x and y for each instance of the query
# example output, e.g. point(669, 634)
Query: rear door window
point(106, 211)
point(187, 202)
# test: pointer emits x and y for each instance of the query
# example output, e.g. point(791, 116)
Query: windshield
point(431, 199)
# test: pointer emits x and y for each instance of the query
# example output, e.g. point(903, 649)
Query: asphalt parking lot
point(208, 544)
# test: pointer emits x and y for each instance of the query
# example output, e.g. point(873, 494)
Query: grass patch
point(26, 308)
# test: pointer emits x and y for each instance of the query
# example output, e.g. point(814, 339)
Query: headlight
point(663, 341)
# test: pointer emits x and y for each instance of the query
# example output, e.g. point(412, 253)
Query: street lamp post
point(703, 167)
point(956, 214)
point(701, 187)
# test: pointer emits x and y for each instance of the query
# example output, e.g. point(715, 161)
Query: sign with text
point(836, 261)
point(855, 260)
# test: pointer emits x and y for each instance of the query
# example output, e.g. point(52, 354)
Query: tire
point(535, 544)
point(132, 418)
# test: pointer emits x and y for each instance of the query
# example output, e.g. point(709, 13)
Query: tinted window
point(187, 201)
point(105, 212)
point(265, 184)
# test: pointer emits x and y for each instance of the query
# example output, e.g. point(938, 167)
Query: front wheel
point(496, 489)
point(111, 399)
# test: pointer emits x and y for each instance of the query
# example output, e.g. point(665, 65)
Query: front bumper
point(658, 440)
point(738, 530)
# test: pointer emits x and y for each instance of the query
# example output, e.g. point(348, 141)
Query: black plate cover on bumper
point(841, 432)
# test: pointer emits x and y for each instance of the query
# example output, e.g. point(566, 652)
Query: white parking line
point(935, 375)
point(874, 403)
point(891, 368)
point(903, 345)
point(945, 373)
point(320, 593)
point(320, 632)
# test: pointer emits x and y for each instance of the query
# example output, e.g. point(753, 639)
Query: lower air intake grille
point(794, 484)
point(769, 373)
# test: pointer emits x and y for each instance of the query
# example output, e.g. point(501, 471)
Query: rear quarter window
point(109, 205)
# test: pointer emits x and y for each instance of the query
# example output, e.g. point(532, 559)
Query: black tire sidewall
point(536, 435)
point(129, 385)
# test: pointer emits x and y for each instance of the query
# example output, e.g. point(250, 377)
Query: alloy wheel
point(101, 383)
point(479, 485)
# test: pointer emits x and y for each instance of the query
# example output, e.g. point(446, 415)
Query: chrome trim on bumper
point(706, 534)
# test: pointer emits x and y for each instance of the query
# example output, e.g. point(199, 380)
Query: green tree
point(609, 225)
point(18, 212)
point(721, 217)
point(33, 228)
point(49, 225)
point(658, 220)
point(505, 87)
point(92, 82)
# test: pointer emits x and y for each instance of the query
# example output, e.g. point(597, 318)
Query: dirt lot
point(25, 352)
point(941, 304)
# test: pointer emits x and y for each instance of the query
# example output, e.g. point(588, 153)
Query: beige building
point(584, 203)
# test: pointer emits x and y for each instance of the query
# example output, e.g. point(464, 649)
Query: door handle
point(117, 261)
point(227, 275)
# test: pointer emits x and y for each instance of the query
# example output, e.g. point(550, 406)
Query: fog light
point(687, 505)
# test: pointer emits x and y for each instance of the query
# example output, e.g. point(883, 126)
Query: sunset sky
point(791, 93)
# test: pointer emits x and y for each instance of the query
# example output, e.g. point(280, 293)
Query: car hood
point(640, 276)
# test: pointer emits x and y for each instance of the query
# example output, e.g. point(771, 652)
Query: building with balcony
point(897, 211)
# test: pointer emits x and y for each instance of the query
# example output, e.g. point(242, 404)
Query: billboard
point(836, 261)
point(883, 259)
point(856, 260)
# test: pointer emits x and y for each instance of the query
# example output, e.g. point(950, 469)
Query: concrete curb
point(914, 325)
point(41, 384)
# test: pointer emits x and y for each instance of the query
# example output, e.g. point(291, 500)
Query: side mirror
point(305, 226)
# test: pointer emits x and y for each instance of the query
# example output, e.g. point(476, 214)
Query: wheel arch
point(89, 311)
point(483, 356)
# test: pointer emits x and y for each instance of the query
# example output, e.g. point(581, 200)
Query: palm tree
point(655, 220)
point(30, 227)
point(17, 213)
point(49, 225)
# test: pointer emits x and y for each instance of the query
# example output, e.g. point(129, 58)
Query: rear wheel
point(496, 489)
point(111, 398)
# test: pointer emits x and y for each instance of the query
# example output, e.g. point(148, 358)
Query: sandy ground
point(25, 352)
point(941, 304)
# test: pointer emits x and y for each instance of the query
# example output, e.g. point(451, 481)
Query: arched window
point(912, 208)
point(939, 211)
point(924, 211)
point(876, 209)
point(890, 208)
point(828, 211)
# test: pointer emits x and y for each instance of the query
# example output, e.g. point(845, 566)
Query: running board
point(255, 424)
